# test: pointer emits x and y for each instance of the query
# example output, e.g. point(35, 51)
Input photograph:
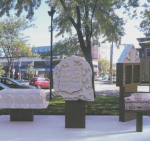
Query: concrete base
point(123, 116)
point(139, 122)
point(21, 114)
point(74, 114)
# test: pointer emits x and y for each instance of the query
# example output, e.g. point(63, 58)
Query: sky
point(40, 36)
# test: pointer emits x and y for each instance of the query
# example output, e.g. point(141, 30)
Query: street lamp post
point(51, 13)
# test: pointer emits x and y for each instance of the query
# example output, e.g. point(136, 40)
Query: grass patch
point(102, 105)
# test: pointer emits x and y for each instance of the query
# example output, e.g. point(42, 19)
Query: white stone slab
point(138, 102)
point(129, 55)
point(23, 98)
point(73, 79)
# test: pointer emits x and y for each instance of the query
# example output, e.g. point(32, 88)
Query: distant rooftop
point(124, 53)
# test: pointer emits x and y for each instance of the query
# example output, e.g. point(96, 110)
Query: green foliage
point(114, 68)
point(89, 18)
point(139, 9)
point(30, 70)
point(2, 72)
point(12, 41)
point(67, 47)
point(19, 5)
point(103, 65)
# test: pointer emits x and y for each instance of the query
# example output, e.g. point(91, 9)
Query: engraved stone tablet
point(139, 101)
point(72, 79)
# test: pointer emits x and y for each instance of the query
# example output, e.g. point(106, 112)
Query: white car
point(98, 79)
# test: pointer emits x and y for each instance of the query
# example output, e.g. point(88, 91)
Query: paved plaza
point(98, 128)
point(52, 128)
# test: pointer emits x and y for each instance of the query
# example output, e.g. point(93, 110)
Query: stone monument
point(22, 102)
point(73, 81)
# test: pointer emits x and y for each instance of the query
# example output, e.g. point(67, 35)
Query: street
point(104, 88)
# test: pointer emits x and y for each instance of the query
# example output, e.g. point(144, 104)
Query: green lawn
point(103, 105)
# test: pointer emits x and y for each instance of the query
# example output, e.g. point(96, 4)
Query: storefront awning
point(39, 69)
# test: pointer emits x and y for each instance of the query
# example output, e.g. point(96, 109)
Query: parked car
point(2, 86)
point(39, 82)
point(104, 78)
point(14, 84)
point(98, 79)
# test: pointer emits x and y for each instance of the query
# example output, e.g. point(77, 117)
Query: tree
point(139, 9)
point(28, 5)
point(89, 19)
point(103, 65)
point(12, 41)
point(30, 70)
point(2, 72)
point(67, 47)
point(145, 16)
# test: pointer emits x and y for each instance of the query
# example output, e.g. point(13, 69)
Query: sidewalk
point(113, 90)
point(52, 128)
point(107, 89)
point(98, 128)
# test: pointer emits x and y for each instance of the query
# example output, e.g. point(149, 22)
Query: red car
point(40, 82)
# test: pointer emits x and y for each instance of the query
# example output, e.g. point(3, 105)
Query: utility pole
point(51, 13)
point(111, 62)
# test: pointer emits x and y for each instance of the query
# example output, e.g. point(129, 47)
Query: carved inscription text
point(70, 79)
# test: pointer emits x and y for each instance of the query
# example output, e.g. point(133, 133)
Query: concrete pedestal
point(139, 121)
point(21, 114)
point(75, 114)
point(123, 117)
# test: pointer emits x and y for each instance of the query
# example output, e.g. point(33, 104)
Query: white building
point(104, 52)
point(95, 66)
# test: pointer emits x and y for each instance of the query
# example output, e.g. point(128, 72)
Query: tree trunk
point(88, 58)
point(8, 71)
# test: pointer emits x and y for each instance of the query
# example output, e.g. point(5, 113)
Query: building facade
point(41, 67)
point(95, 50)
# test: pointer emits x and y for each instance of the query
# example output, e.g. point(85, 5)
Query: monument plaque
point(73, 79)
point(137, 102)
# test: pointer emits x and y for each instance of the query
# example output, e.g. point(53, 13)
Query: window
point(41, 63)
point(148, 53)
point(9, 82)
point(47, 62)
point(95, 45)
point(45, 49)
point(95, 51)
point(15, 64)
point(4, 64)
point(35, 50)
point(91, 45)
point(41, 79)
point(47, 80)
point(95, 66)
point(91, 51)
point(25, 63)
